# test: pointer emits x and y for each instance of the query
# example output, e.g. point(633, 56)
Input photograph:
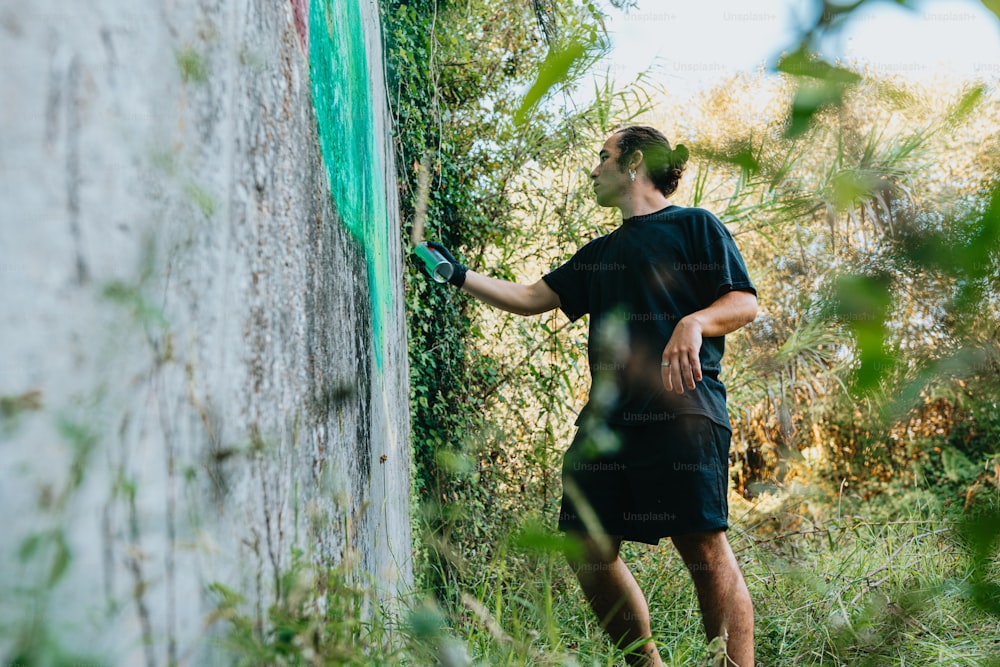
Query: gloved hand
point(458, 269)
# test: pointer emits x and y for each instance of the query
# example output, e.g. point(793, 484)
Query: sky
point(693, 45)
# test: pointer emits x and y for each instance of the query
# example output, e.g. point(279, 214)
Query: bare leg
point(615, 598)
point(726, 609)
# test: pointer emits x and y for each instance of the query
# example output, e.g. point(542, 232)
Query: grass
point(851, 592)
point(832, 585)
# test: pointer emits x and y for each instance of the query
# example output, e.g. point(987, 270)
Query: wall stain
point(53, 102)
point(300, 15)
point(73, 129)
point(338, 340)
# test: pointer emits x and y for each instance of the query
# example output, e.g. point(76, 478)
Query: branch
point(506, 376)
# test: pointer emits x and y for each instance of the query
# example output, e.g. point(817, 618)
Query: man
point(650, 459)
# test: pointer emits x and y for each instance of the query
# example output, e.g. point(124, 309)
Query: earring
point(631, 175)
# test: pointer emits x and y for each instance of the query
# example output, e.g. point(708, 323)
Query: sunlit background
point(685, 47)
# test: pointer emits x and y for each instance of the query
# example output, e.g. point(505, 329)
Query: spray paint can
point(439, 267)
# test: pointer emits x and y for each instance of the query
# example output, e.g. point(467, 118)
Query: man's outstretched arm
point(512, 297)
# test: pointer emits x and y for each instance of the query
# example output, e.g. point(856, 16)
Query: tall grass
point(835, 581)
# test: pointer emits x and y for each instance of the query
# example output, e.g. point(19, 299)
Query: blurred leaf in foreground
point(820, 85)
point(981, 535)
point(862, 303)
point(553, 71)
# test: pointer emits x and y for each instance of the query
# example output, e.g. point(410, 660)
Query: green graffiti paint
point(342, 96)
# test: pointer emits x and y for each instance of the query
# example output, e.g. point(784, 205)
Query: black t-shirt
point(636, 283)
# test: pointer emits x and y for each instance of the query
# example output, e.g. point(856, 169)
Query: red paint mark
point(300, 12)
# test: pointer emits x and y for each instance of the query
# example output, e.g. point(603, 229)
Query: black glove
point(458, 269)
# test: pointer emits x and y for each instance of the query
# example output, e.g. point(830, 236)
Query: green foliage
point(134, 295)
point(44, 557)
point(820, 86)
point(993, 6)
point(861, 581)
point(12, 407)
point(959, 458)
point(192, 65)
point(878, 288)
point(50, 546)
point(863, 302)
point(981, 533)
point(38, 646)
point(877, 277)
point(554, 71)
point(202, 199)
point(320, 616)
point(456, 70)
point(834, 582)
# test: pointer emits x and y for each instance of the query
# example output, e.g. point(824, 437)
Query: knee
point(705, 542)
point(705, 553)
point(591, 554)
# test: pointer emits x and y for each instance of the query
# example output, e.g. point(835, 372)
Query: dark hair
point(665, 164)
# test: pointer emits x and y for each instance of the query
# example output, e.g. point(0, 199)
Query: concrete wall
point(196, 375)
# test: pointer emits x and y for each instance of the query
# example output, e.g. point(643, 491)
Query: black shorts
point(660, 479)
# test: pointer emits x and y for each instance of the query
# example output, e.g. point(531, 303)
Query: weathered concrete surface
point(188, 391)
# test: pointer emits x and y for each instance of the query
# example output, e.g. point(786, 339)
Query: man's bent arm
point(728, 313)
point(512, 297)
point(681, 365)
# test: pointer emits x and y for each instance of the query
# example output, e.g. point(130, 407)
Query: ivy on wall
point(457, 72)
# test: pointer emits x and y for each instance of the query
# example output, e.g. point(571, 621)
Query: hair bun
point(679, 155)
